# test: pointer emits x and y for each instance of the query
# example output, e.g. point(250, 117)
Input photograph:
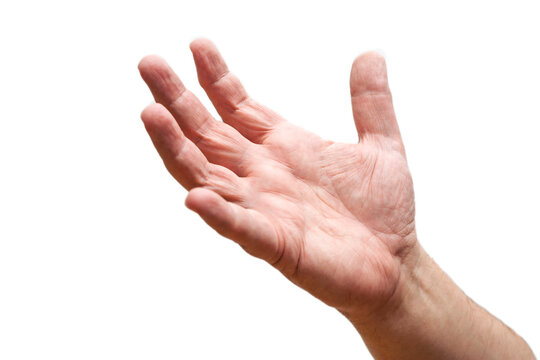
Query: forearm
point(429, 317)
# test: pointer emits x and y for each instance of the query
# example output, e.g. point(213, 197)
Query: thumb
point(371, 98)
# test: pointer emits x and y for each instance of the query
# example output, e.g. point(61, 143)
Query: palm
point(331, 217)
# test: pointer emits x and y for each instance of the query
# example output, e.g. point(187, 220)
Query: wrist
point(423, 306)
point(429, 317)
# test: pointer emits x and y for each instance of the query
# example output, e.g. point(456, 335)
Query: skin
point(335, 219)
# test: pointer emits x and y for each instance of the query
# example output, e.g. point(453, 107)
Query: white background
point(99, 259)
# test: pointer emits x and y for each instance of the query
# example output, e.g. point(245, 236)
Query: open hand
point(336, 219)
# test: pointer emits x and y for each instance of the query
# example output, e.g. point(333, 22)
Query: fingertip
point(162, 128)
point(211, 207)
point(150, 62)
point(369, 58)
point(192, 199)
point(153, 113)
point(200, 44)
point(368, 73)
point(207, 56)
point(151, 110)
point(253, 232)
point(160, 78)
point(199, 198)
point(209, 63)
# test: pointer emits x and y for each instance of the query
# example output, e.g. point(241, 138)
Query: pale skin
point(336, 219)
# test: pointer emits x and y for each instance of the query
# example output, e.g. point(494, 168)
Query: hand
point(336, 219)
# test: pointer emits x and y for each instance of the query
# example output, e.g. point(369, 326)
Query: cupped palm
point(336, 219)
